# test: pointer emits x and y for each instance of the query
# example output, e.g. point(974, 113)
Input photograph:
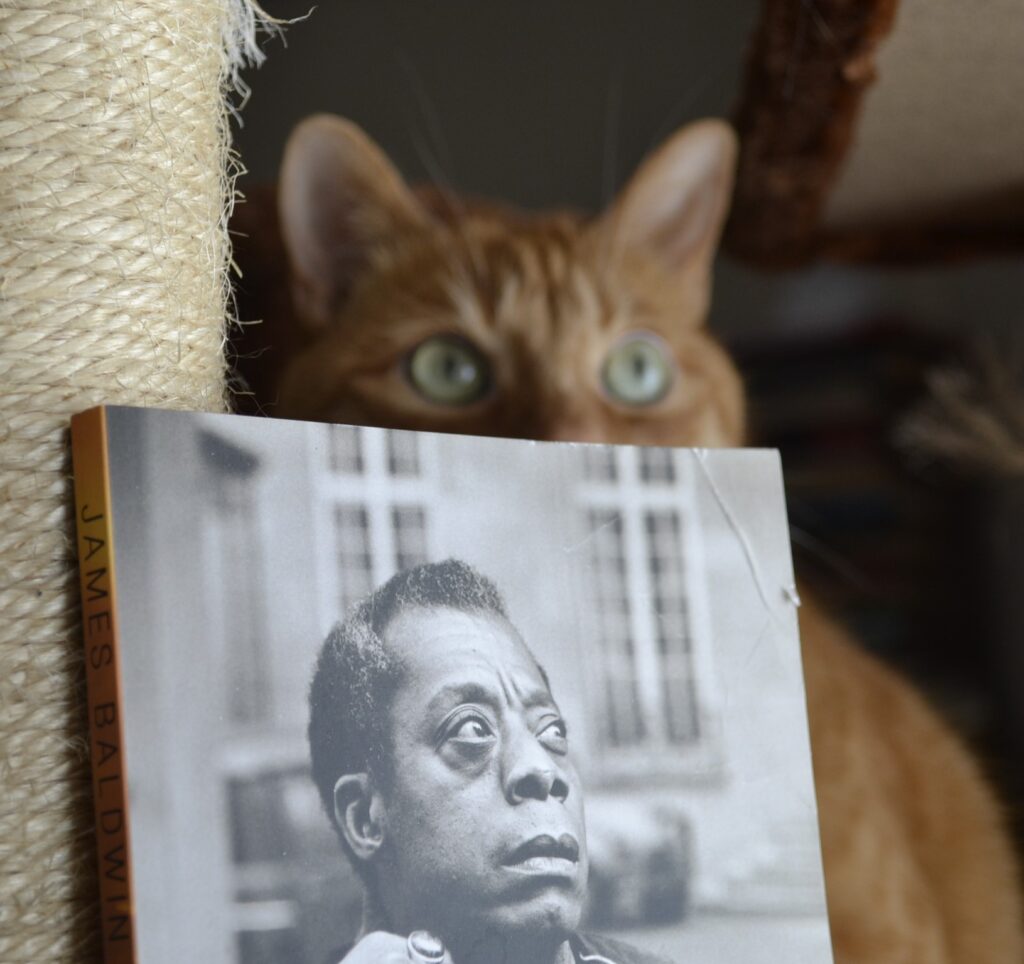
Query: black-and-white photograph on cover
point(406, 696)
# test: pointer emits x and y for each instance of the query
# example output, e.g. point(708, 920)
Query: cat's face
point(433, 313)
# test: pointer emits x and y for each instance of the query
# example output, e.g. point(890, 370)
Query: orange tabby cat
point(419, 311)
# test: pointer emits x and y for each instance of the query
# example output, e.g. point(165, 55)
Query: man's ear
point(359, 814)
point(675, 205)
point(340, 200)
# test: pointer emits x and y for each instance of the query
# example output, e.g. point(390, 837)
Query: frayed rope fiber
point(115, 184)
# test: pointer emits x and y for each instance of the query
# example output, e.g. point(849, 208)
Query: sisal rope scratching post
point(113, 271)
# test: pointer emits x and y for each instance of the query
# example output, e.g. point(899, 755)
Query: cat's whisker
point(433, 153)
point(442, 154)
point(712, 80)
point(432, 150)
point(831, 559)
point(432, 166)
point(613, 116)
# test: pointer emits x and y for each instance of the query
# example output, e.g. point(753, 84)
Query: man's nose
point(531, 773)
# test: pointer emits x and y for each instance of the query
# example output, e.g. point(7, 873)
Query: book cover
point(480, 699)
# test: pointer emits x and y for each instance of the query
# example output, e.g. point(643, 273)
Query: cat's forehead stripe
point(527, 271)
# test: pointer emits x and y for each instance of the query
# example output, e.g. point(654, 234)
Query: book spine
point(102, 668)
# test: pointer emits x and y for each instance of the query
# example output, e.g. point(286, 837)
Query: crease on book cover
point(789, 592)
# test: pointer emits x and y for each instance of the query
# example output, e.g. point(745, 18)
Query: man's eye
point(473, 730)
point(555, 736)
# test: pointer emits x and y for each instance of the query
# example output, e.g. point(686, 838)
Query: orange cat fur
point(919, 869)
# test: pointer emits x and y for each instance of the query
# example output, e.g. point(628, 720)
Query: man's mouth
point(545, 854)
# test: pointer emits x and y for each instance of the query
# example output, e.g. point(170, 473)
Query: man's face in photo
point(484, 824)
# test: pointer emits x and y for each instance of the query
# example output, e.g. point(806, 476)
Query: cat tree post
point(113, 273)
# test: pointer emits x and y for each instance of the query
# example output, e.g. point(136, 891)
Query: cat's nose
point(576, 430)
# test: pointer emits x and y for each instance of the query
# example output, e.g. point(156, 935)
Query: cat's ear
point(675, 205)
point(341, 201)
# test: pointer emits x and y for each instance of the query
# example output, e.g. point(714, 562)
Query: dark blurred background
point(553, 104)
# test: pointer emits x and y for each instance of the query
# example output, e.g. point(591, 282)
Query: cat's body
point(419, 311)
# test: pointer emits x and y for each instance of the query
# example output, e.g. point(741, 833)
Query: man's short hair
point(356, 676)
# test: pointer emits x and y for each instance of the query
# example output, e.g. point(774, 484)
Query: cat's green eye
point(638, 370)
point(448, 371)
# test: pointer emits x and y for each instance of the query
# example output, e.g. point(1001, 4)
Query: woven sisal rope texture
point(113, 256)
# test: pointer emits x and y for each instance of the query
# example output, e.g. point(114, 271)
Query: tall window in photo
point(653, 680)
point(373, 492)
point(235, 563)
point(232, 545)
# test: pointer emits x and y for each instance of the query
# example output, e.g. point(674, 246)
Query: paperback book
point(360, 694)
